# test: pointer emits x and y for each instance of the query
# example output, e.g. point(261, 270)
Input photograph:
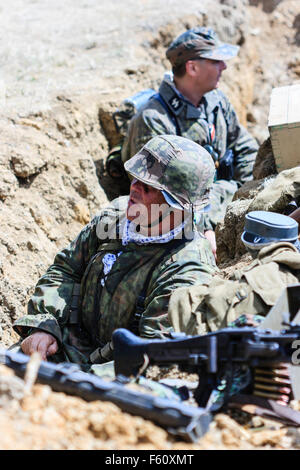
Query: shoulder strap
point(140, 301)
point(172, 116)
point(73, 313)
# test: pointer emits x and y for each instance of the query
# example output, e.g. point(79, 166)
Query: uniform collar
point(179, 104)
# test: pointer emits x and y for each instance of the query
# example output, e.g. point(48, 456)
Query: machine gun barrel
point(188, 422)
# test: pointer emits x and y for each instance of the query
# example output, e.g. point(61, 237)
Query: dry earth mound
point(37, 418)
point(64, 69)
point(61, 81)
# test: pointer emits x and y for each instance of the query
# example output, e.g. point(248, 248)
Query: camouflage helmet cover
point(197, 43)
point(178, 166)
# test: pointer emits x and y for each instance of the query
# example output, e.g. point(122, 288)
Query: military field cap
point(197, 43)
point(262, 228)
point(177, 166)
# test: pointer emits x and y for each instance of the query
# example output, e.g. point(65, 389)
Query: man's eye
point(146, 189)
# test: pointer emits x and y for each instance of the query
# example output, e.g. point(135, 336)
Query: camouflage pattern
point(253, 291)
point(177, 165)
point(214, 111)
point(105, 308)
point(197, 43)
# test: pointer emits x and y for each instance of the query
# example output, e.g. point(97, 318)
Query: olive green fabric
point(103, 308)
point(204, 308)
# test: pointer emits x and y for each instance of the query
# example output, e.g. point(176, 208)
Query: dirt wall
point(65, 66)
point(57, 120)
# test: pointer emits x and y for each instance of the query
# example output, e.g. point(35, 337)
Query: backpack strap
point(141, 298)
point(171, 115)
point(73, 314)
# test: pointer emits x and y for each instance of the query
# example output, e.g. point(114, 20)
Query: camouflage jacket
point(215, 115)
point(81, 305)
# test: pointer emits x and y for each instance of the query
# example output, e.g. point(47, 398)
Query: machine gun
point(215, 355)
point(211, 356)
point(208, 355)
point(185, 421)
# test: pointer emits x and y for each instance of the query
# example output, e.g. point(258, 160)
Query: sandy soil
point(65, 67)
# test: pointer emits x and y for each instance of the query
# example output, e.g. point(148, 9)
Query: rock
point(82, 214)
point(268, 5)
point(8, 183)
point(267, 195)
point(106, 111)
point(228, 233)
point(26, 165)
point(11, 387)
point(278, 192)
point(249, 190)
point(265, 163)
point(268, 437)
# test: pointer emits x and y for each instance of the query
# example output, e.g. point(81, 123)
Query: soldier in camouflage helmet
point(189, 104)
point(171, 164)
point(123, 266)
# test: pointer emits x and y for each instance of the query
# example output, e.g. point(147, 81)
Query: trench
point(72, 137)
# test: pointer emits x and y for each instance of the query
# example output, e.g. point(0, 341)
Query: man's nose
point(223, 65)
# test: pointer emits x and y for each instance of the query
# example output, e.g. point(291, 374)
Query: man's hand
point(211, 237)
point(43, 343)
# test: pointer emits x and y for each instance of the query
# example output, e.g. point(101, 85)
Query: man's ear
point(191, 68)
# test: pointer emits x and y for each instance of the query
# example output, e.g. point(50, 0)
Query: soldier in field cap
point(201, 43)
point(122, 267)
point(190, 104)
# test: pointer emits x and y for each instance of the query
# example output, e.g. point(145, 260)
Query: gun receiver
point(207, 355)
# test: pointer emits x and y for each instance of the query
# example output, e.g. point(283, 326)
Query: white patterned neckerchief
point(131, 236)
